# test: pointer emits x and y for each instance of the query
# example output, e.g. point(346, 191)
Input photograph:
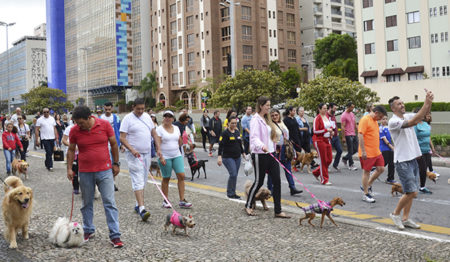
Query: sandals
point(282, 215)
point(250, 212)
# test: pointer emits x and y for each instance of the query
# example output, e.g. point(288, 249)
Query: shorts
point(213, 140)
point(408, 172)
point(138, 169)
point(176, 163)
point(371, 162)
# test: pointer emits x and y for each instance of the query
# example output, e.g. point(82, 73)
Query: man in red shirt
point(92, 135)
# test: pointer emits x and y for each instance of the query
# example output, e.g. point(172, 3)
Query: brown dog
point(396, 188)
point(16, 207)
point(304, 159)
point(21, 166)
point(432, 176)
point(310, 211)
point(262, 195)
point(154, 166)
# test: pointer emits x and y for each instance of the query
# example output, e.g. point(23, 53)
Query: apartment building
point(196, 40)
point(318, 19)
point(403, 47)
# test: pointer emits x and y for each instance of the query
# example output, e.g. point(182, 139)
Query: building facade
point(27, 68)
point(196, 40)
point(318, 19)
point(403, 47)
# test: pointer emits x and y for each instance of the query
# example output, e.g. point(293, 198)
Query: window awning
point(393, 71)
point(414, 69)
point(369, 73)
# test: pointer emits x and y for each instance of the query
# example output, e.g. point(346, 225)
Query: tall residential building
point(192, 40)
point(27, 68)
point(403, 47)
point(318, 19)
point(40, 30)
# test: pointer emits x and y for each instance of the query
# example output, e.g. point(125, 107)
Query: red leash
point(71, 209)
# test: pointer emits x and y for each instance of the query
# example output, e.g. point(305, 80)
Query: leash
point(320, 202)
point(4, 182)
point(71, 209)
point(440, 157)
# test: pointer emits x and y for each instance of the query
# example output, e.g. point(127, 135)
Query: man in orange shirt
point(369, 150)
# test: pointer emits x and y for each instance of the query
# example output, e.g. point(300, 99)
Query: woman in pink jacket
point(323, 130)
point(262, 137)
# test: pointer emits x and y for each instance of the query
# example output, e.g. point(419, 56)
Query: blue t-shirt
point(384, 132)
point(423, 132)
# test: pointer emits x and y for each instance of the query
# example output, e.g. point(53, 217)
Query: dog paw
point(26, 236)
point(13, 245)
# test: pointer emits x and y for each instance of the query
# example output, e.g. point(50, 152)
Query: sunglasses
point(46, 112)
point(170, 116)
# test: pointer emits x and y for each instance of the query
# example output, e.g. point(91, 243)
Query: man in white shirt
point(46, 125)
point(14, 117)
point(136, 131)
point(406, 151)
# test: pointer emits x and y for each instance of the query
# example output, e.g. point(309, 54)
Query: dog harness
point(176, 219)
point(317, 208)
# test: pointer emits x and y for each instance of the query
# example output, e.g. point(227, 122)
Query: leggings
point(264, 163)
point(23, 153)
point(423, 169)
point(204, 136)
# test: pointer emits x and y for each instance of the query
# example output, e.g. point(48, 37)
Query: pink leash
point(445, 160)
point(321, 203)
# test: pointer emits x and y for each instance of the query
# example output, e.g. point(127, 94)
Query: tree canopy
point(40, 97)
point(149, 87)
point(291, 78)
point(333, 89)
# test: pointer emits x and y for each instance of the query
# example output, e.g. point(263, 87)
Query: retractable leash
point(320, 202)
point(445, 160)
point(71, 209)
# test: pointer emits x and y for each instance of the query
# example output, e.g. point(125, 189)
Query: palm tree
point(149, 86)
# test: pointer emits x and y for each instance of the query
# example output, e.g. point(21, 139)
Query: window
point(173, 44)
point(246, 32)
point(290, 19)
point(369, 48)
point(370, 79)
point(225, 51)
point(392, 45)
point(275, 52)
point(280, 17)
point(368, 25)
point(413, 17)
point(391, 21)
point(435, 11)
point(445, 9)
point(180, 42)
point(189, 22)
point(173, 10)
point(226, 33)
point(436, 39)
point(275, 33)
point(290, 4)
point(175, 79)
point(292, 55)
point(414, 42)
point(437, 71)
point(246, 13)
point(415, 76)
point(432, 38)
point(225, 14)
point(367, 3)
point(247, 52)
point(191, 59)
point(189, 5)
point(191, 77)
point(446, 36)
point(434, 71)
point(393, 78)
point(443, 71)
point(190, 40)
point(174, 61)
point(270, 33)
point(173, 28)
point(291, 37)
point(442, 36)
point(389, 1)
point(271, 52)
point(441, 10)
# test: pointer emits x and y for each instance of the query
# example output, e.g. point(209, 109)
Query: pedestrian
point(99, 112)
point(136, 131)
point(246, 128)
point(170, 158)
point(59, 128)
point(281, 154)
point(14, 116)
point(232, 113)
point(428, 119)
point(24, 136)
point(3, 122)
point(33, 132)
point(155, 124)
point(9, 140)
point(215, 129)
point(204, 125)
point(405, 153)
point(369, 108)
point(46, 127)
point(423, 132)
point(335, 141)
point(387, 149)
point(230, 151)
point(38, 115)
point(369, 150)
point(91, 135)
point(293, 127)
point(305, 134)
point(190, 123)
point(323, 131)
point(65, 141)
point(263, 136)
point(182, 123)
point(65, 120)
point(348, 122)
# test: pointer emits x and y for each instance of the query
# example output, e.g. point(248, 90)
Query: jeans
point(49, 144)
point(336, 144)
point(232, 165)
point(352, 148)
point(286, 163)
point(246, 145)
point(9, 156)
point(105, 182)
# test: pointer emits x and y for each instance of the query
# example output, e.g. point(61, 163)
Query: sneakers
point(337, 168)
point(76, 191)
point(116, 188)
point(397, 221)
point(116, 242)
point(411, 224)
point(88, 236)
point(369, 190)
point(50, 169)
point(353, 168)
point(295, 191)
point(136, 209)
point(165, 204)
point(328, 183)
point(425, 190)
point(210, 154)
point(184, 204)
point(368, 198)
point(144, 215)
point(390, 181)
point(344, 162)
point(234, 197)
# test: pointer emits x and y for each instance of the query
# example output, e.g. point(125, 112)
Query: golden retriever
point(262, 195)
point(305, 159)
point(17, 206)
point(21, 166)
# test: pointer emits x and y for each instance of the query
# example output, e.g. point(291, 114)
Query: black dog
point(195, 165)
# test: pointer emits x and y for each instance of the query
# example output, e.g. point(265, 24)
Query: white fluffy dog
point(66, 234)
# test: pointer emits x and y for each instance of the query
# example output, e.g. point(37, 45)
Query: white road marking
point(416, 235)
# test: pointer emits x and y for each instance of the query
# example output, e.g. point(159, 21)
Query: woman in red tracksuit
point(323, 130)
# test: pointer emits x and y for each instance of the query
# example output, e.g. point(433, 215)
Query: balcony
point(349, 2)
point(318, 22)
point(337, 1)
point(336, 12)
point(351, 15)
point(317, 10)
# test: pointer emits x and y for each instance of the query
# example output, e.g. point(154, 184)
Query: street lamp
point(6, 25)
point(231, 5)
point(86, 49)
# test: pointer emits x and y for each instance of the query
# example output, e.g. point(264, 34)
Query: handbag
point(289, 148)
point(58, 154)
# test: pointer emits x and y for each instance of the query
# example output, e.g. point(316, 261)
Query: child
point(9, 140)
point(387, 149)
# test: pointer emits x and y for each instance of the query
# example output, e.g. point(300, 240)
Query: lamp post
point(86, 49)
point(6, 25)
point(231, 5)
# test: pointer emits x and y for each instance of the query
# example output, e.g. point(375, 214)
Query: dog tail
point(298, 205)
point(12, 182)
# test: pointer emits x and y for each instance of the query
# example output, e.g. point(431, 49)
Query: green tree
point(42, 96)
point(243, 89)
point(291, 78)
point(149, 87)
point(342, 67)
point(333, 89)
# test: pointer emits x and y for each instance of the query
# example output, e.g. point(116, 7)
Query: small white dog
point(66, 234)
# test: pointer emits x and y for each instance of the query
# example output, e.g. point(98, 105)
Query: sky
point(27, 14)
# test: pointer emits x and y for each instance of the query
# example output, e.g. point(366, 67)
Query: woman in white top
point(171, 157)
point(23, 131)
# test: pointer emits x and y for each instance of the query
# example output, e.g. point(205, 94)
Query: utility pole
point(7, 60)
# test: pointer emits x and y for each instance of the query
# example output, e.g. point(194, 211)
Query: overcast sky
point(27, 14)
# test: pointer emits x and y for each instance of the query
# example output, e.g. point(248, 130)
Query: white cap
point(168, 112)
point(153, 115)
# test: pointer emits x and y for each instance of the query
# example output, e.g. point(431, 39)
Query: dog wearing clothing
point(325, 210)
point(179, 221)
point(195, 165)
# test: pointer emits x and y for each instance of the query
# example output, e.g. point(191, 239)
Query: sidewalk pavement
point(222, 232)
